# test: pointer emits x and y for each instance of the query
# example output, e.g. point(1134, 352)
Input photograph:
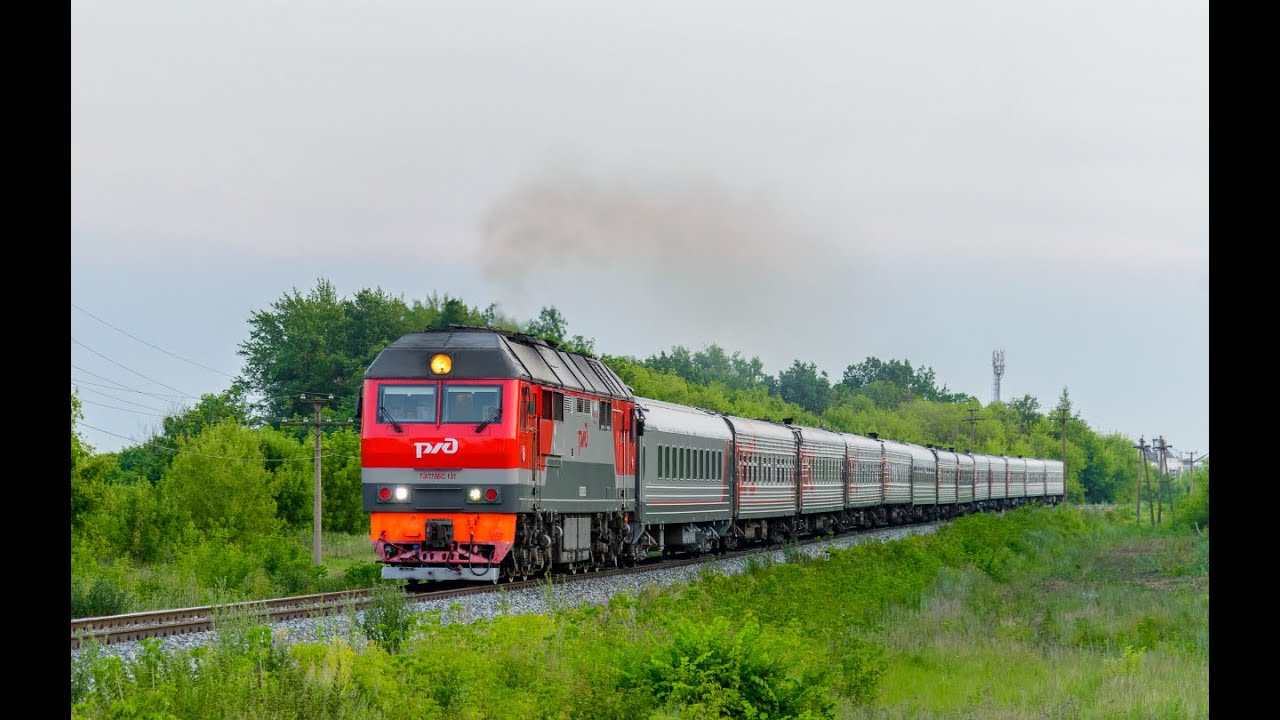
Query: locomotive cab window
point(472, 403)
point(406, 403)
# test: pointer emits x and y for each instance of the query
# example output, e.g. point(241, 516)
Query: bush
point(710, 670)
point(103, 597)
point(1193, 510)
point(387, 620)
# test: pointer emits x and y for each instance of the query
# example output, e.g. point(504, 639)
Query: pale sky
point(821, 181)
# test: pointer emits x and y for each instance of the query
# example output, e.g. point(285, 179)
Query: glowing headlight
point(402, 493)
point(473, 494)
point(441, 364)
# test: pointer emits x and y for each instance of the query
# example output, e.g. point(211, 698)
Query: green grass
point(213, 573)
point(1041, 613)
point(1113, 627)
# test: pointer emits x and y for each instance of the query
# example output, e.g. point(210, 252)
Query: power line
point(144, 342)
point(121, 386)
point(119, 399)
point(198, 454)
point(79, 382)
point(113, 407)
point(290, 392)
point(135, 372)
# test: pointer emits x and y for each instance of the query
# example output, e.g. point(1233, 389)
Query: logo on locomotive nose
point(448, 446)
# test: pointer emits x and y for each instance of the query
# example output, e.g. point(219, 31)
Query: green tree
point(1028, 410)
point(895, 382)
point(1192, 511)
point(551, 325)
point(343, 505)
point(290, 463)
point(219, 482)
point(803, 385)
point(79, 448)
point(298, 346)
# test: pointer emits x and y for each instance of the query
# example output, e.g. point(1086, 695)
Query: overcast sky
point(821, 181)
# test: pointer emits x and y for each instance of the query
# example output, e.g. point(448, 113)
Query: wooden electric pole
point(1164, 473)
point(1064, 451)
point(317, 423)
point(1151, 496)
point(973, 419)
point(1142, 463)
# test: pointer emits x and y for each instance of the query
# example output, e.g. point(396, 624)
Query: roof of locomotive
point(484, 353)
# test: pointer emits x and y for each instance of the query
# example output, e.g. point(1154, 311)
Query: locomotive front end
point(441, 461)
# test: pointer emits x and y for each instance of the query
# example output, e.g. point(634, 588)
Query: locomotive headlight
point(402, 493)
point(441, 364)
point(473, 495)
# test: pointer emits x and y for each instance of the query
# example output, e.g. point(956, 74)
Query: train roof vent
point(874, 436)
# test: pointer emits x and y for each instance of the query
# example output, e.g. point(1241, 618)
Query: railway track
point(165, 623)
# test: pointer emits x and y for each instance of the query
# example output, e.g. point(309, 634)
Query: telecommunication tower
point(997, 366)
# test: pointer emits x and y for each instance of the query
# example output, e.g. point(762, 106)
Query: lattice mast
point(997, 367)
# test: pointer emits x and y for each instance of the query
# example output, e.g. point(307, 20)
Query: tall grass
point(1041, 613)
point(213, 571)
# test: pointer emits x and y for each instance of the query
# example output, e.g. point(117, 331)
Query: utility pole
point(1064, 451)
point(1144, 478)
point(1146, 473)
point(316, 402)
point(1142, 462)
point(1159, 444)
point(973, 421)
point(1164, 473)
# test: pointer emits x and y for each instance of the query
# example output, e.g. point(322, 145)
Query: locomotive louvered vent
point(583, 405)
point(568, 404)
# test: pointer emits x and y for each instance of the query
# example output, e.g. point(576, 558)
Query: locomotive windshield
point(407, 403)
point(419, 403)
point(472, 403)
